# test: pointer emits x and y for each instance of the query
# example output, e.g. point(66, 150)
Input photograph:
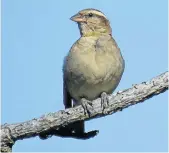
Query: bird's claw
point(87, 106)
point(104, 102)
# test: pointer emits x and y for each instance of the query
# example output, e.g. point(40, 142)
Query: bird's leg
point(104, 102)
point(87, 106)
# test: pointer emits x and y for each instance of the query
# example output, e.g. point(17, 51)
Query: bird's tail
point(78, 127)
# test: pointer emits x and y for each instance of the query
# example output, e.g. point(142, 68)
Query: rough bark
point(57, 123)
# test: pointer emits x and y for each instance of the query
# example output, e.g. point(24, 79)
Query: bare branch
point(60, 120)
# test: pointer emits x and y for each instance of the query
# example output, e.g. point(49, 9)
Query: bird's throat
point(87, 31)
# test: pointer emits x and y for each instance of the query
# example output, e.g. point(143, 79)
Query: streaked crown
point(93, 11)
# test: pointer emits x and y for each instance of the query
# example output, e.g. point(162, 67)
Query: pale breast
point(93, 67)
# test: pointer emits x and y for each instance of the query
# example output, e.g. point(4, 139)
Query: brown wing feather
point(67, 100)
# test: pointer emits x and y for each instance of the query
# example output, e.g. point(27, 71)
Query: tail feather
point(78, 127)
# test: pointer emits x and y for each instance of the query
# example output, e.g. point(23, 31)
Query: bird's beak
point(78, 18)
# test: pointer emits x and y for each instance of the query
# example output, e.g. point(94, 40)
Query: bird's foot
point(88, 110)
point(87, 106)
point(104, 102)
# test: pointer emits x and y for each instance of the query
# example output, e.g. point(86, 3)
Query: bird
point(94, 65)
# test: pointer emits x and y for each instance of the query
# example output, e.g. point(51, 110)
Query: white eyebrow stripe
point(98, 13)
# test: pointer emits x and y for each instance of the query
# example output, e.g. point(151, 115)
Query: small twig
point(57, 123)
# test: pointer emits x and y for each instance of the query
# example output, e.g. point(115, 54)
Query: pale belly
point(89, 78)
point(92, 91)
point(90, 70)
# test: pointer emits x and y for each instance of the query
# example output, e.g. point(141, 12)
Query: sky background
point(37, 34)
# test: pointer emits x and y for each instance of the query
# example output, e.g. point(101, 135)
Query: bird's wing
point(66, 96)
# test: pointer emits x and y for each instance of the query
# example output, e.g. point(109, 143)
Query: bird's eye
point(90, 14)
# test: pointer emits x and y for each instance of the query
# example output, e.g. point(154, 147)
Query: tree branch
point(60, 120)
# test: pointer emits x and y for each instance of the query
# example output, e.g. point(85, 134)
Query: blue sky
point(37, 34)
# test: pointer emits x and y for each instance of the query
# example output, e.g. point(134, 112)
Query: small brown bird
point(94, 64)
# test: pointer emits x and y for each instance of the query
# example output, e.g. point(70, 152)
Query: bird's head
point(92, 22)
